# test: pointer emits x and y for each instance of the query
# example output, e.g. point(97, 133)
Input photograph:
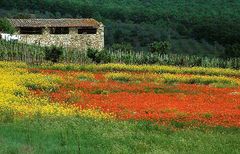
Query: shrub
point(5, 26)
point(125, 47)
point(103, 56)
point(98, 56)
point(91, 53)
point(53, 53)
point(160, 47)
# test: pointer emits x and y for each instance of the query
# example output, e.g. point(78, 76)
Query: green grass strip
point(145, 68)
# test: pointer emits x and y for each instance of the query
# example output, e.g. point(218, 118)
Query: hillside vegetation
point(215, 24)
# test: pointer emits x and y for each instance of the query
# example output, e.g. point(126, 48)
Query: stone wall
point(71, 40)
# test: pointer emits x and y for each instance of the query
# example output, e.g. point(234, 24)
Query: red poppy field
point(193, 104)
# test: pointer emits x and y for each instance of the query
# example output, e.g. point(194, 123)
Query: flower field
point(195, 99)
point(17, 99)
point(123, 94)
point(157, 96)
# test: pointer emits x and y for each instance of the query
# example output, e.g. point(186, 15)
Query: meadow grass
point(175, 78)
point(85, 76)
point(84, 135)
point(111, 67)
point(12, 51)
point(144, 68)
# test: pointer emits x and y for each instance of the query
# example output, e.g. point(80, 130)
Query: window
point(59, 30)
point(31, 30)
point(87, 30)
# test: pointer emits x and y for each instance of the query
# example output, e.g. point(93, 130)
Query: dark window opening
point(59, 30)
point(87, 30)
point(31, 30)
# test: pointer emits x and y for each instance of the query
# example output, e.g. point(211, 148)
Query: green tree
point(126, 47)
point(162, 47)
point(232, 50)
point(5, 26)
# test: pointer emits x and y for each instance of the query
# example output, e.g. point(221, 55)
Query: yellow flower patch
point(15, 82)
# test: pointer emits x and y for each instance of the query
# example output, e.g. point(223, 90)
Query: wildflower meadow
point(117, 108)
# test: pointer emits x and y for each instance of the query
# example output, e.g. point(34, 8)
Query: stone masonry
point(71, 40)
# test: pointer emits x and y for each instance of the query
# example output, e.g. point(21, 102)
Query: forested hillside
point(194, 27)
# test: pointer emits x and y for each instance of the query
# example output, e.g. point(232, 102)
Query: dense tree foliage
point(5, 26)
point(141, 22)
point(232, 50)
point(160, 47)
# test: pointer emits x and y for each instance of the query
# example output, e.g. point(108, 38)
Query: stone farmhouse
point(71, 33)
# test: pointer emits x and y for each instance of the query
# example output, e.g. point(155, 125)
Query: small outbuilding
point(71, 33)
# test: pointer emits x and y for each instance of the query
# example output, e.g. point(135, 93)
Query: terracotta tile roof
point(55, 23)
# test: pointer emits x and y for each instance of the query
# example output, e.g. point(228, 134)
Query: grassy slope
point(71, 135)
